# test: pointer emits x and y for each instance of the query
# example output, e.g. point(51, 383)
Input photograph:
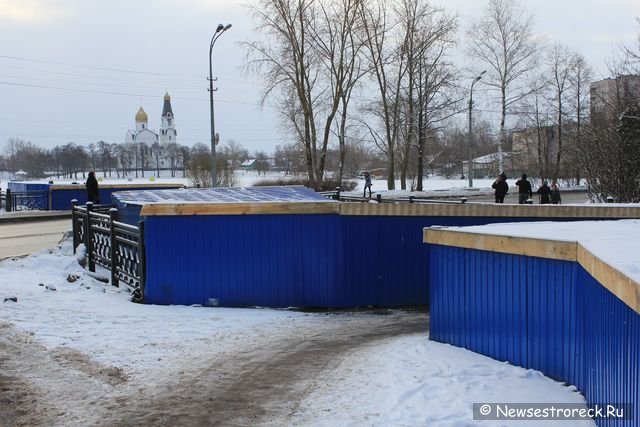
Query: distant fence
point(114, 245)
point(339, 196)
point(16, 201)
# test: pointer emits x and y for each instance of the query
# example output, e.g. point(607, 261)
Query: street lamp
point(470, 170)
point(219, 31)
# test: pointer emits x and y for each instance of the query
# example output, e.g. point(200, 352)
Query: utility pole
point(214, 138)
point(470, 169)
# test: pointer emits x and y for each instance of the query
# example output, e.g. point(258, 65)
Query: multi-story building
point(611, 96)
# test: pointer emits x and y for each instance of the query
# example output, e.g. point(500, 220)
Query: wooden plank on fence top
point(550, 249)
point(611, 278)
point(279, 208)
point(618, 283)
point(490, 210)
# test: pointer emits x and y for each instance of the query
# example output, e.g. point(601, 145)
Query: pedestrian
point(93, 194)
point(501, 187)
point(544, 191)
point(524, 189)
point(367, 183)
point(555, 194)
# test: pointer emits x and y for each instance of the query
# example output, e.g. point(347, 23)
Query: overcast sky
point(59, 59)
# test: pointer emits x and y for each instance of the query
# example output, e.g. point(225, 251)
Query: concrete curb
point(29, 216)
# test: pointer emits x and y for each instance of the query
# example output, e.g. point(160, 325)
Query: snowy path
point(77, 352)
point(259, 381)
point(264, 382)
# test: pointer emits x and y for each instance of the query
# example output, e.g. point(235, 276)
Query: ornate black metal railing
point(30, 200)
point(114, 245)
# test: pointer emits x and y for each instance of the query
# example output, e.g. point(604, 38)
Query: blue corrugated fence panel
point(258, 260)
point(25, 187)
point(611, 343)
point(543, 314)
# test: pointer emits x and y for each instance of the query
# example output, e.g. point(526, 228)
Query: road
point(23, 238)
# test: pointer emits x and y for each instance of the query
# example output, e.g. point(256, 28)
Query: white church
point(142, 133)
point(153, 145)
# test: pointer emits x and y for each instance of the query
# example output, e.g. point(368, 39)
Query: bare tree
point(173, 154)
point(105, 158)
point(92, 149)
point(199, 166)
point(235, 153)
point(434, 79)
point(387, 67)
point(290, 55)
point(26, 156)
point(562, 64)
point(534, 143)
point(339, 50)
point(502, 40)
point(580, 77)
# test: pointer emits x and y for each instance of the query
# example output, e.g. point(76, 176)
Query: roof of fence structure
point(297, 194)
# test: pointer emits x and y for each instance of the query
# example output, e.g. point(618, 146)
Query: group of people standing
point(548, 195)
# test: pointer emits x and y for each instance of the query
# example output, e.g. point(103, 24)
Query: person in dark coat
point(93, 194)
point(367, 183)
point(501, 187)
point(555, 194)
point(544, 191)
point(524, 189)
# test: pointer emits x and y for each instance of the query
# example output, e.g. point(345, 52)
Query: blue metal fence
point(257, 260)
point(542, 314)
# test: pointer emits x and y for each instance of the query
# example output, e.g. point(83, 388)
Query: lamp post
point(470, 170)
point(219, 31)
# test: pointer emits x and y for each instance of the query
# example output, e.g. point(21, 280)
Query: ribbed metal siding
point(372, 260)
point(610, 348)
point(478, 302)
point(61, 199)
point(25, 187)
point(541, 314)
point(387, 261)
point(252, 260)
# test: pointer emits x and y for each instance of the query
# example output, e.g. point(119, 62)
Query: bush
point(326, 185)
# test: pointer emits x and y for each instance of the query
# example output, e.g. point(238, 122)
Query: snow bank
point(413, 381)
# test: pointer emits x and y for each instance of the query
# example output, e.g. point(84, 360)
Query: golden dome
point(141, 116)
point(167, 97)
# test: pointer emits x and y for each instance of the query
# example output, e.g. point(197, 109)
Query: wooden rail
point(622, 286)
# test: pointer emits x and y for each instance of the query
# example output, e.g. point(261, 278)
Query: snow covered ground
point(83, 354)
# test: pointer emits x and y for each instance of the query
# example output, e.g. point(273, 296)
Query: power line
point(117, 70)
point(137, 95)
point(120, 70)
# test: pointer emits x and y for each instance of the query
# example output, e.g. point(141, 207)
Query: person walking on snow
point(501, 187)
point(555, 194)
point(367, 183)
point(524, 189)
point(544, 191)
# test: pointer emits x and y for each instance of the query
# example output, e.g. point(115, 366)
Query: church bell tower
point(168, 133)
